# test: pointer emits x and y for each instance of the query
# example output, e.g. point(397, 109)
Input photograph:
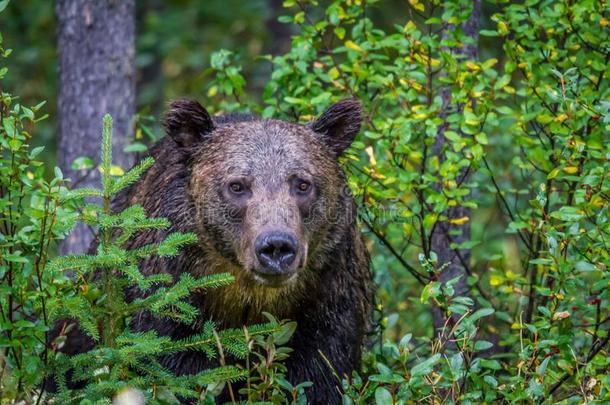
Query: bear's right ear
point(187, 122)
point(339, 124)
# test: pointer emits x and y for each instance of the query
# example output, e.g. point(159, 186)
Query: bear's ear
point(339, 124)
point(187, 122)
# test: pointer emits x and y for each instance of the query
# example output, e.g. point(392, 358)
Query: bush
point(31, 220)
point(483, 185)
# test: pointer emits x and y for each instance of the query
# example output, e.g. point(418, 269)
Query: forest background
point(481, 170)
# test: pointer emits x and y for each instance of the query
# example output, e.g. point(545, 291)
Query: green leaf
point(568, 214)
point(9, 126)
point(480, 313)
point(488, 33)
point(452, 136)
point(383, 396)
point(431, 290)
point(82, 163)
point(491, 381)
point(426, 366)
point(482, 345)
point(136, 147)
point(491, 364)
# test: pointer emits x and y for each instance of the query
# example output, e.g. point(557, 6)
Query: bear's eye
point(236, 188)
point(303, 186)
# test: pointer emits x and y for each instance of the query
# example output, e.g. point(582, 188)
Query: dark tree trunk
point(446, 233)
point(96, 42)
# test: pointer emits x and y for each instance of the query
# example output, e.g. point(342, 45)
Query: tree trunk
point(96, 42)
point(445, 232)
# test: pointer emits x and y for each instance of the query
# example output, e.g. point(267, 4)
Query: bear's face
point(266, 192)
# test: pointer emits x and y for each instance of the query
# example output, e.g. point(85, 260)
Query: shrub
point(31, 219)
point(504, 160)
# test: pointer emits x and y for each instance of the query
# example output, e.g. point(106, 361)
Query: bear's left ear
point(187, 122)
point(339, 124)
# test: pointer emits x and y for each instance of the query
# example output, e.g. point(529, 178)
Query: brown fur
point(329, 293)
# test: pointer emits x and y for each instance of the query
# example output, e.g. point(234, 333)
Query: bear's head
point(270, 197)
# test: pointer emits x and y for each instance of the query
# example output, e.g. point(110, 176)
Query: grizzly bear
point(269, 203)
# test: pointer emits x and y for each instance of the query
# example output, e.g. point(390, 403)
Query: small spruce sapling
point(121, 358)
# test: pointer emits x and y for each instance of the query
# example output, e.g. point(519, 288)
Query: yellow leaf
point(333, 73)
point(459, 221)
point(369, 151)
point(495, 280)
point(450, 184)
point(116, 171)
point(353, 46)
point(417, 5)
point(603, 22)
point(410, 26)
point(553, 173)
point(570, 169)
point(490, 63)
point(561, 118)
point(502, 28)
point(212, 91)
point(472, 66)
point(30, 175)
point(597, 201)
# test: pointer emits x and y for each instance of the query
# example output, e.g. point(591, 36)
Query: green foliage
point(267, 381)
point(517, 143)
point(31, 219)
point(515, 140)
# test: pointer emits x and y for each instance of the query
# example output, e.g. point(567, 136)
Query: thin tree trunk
point(445, 232)
point(96, 42)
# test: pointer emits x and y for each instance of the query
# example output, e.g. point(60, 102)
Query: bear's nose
point(276, 251)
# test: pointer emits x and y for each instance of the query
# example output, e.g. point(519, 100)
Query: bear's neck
point(244, 300)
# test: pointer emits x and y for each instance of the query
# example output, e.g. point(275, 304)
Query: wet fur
point(330, 299)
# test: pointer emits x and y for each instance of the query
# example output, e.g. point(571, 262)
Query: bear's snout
point(276, 252)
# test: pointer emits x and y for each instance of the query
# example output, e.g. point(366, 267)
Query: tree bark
point(446, 233)
point(96, 43)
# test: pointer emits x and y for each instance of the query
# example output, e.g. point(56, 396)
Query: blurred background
point(175, 40)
